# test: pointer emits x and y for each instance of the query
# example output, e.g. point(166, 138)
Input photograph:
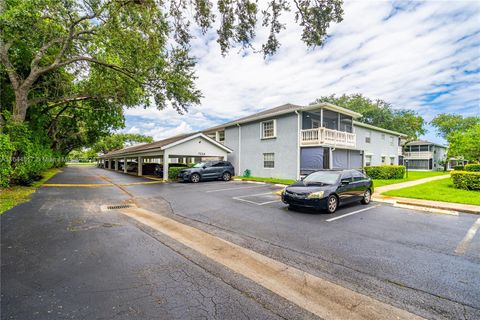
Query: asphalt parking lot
point(395, 254)
point(403, 257)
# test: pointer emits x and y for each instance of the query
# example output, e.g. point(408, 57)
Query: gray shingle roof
point(423, 142)
point(149, 146)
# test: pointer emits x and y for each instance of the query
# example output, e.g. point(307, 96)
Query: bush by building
point(173, 172)
point(468, 180)
point(475, 167)
point(385, 172)
point(461, 168)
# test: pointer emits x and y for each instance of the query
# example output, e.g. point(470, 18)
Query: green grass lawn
point(270, 180)
point(441, 190)
point(412, 175)
point(10, 197)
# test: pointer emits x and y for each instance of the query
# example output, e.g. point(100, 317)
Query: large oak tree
point(132, 52)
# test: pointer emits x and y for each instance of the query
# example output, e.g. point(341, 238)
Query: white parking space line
point(240, 198)
point(238, 188)
point(261, 204)
point(463, 245)
point(352, 213)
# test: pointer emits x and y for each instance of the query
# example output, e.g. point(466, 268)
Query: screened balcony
point(326, 127)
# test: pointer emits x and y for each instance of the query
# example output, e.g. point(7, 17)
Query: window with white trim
point(269, 160)
point(221, 136)
point(368, 136)
point(391, 140)
point(384, 160)
point(368, 160)
point(268, 129)
point(392, 161)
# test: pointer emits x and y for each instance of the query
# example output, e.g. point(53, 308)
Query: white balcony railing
point(418, 155)
point(319, 136)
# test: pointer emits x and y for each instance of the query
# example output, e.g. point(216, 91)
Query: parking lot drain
point(121, 206)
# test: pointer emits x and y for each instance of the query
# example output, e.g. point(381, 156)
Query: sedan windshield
point(199, 165)
point(322, 177)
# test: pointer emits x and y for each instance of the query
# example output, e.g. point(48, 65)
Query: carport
point(187, 148)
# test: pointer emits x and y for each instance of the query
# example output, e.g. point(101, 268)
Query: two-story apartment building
point(424, 155)
point(291, 140)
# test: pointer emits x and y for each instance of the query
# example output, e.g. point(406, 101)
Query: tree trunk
point(21, 105)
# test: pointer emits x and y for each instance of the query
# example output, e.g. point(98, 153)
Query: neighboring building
point(290, 140)
point(424, 155)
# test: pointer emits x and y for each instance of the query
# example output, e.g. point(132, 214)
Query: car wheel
point(332, 204)
point(226, 176)
point(367, 196)
point(195, 177)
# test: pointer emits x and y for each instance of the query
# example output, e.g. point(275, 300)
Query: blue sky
point(422, 55)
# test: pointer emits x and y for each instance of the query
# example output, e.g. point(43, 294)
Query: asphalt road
point(64, 257)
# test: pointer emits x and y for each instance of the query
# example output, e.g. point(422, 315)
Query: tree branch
point(60, 101)
point(12, 74)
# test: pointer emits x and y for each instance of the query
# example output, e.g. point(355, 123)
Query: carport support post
point(140, 166)
point(116, 164)
point(124, 165)
point(110, 163)
point(165, 166)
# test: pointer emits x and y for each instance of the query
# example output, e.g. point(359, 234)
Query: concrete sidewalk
point(425, 204)
point(401, 185)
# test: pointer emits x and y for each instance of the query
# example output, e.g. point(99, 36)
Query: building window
point(269, 160)
point(383, 160)
point(368, 160)
point(368, 136)
point(391, 140)
point(383, 136)
point(268, 129)
point(221, 136)
point(392, 161)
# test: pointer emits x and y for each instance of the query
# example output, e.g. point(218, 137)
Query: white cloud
point(405, 60)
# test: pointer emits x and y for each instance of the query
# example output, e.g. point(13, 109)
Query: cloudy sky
point(418, 55)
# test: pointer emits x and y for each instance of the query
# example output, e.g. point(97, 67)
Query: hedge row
point(468, 180)
point(385, 172)
point(461, 168)
point(472, 167)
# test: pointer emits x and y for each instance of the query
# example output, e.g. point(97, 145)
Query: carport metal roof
point(158, 147)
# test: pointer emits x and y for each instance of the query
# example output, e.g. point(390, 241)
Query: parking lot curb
point(262, 182)
point(433, 206)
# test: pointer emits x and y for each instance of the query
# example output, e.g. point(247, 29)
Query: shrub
point(30, 155)
point(473, 167)
point(247, 173)
point(466, 180)
point(461, 168)
point(385, 172)
point(173, 172)
point(6, 150)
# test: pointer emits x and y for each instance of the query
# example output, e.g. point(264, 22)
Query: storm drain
point(121, 206)
point(116, 207)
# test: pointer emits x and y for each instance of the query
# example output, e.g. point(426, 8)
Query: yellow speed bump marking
point(94, 185)
point(78, 185)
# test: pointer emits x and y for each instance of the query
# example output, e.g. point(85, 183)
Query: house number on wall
point(201, 153)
